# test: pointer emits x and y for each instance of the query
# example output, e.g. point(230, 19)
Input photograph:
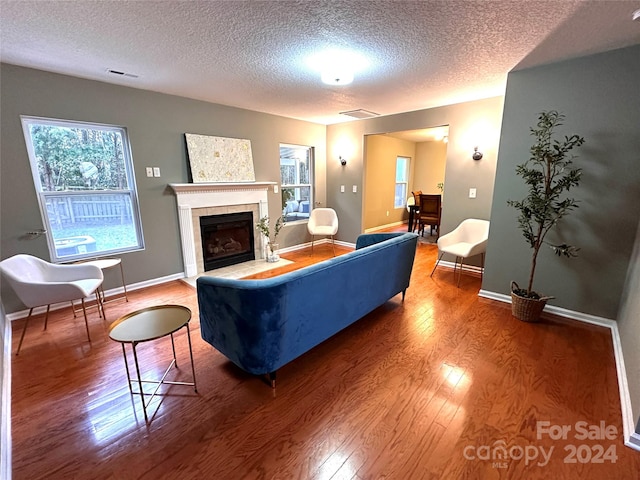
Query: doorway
point(427, 152)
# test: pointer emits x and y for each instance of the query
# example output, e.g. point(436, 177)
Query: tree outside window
point(83, 174)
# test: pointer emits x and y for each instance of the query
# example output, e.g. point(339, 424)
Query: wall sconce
point(476, 154)
point(343, 161)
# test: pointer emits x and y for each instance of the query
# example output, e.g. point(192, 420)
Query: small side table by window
point(150, 324)
point(104, 264)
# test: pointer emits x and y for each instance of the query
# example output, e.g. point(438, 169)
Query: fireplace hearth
point(227, 239)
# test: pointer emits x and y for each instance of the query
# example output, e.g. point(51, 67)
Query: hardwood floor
point(420, 389)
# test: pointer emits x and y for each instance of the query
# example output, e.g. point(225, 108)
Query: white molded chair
point(323, 221)
point(466, 240)
point(37, 283)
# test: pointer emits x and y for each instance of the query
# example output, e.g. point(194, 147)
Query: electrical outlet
point(387, 213)
point(156, 171)
point(149, 172)
point(472, 193)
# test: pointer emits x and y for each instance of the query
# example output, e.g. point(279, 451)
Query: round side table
point(150, 324)
point(106, 263)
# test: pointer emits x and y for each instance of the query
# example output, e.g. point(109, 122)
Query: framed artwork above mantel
point(219, 159)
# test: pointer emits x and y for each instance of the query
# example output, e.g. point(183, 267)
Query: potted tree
point(271, 247)
point(549, 174)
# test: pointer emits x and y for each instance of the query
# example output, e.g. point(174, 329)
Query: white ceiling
point(253, 54)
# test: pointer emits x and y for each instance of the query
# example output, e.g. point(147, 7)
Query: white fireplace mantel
point(204, 195)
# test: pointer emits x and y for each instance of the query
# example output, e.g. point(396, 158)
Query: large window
point(83, 174)
point(296, 168)
point(402, 181)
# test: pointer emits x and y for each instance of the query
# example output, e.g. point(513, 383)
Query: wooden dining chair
point(430, 212)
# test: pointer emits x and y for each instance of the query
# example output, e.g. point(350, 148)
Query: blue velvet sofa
point(261, 325)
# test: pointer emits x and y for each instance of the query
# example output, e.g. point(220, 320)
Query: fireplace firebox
point(227, 239)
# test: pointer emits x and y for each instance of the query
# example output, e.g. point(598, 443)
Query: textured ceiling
point(254, 55)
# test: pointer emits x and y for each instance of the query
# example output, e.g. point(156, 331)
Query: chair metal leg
point(436, 265)
point(100, 305)
point(98, 296)
point(46, 317)
point(86, 323)
point(124, 285)
point(333, 246)
point(460, 272)
point(24, 329)
point(312, 237)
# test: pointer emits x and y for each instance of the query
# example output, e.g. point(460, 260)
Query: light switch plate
point(341, 188)
point(275, 189)
point(149, 172)
point(355, 189)
point(156, 171)
point(472, 193)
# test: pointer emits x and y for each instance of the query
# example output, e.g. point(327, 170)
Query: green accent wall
point(599, 96)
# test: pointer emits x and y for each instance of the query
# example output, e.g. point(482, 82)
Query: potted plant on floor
point(549, 174)
point(271, 247)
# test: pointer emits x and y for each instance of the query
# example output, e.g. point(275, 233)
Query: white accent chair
point(323, 221)
point(466, 240)
point(38, 283)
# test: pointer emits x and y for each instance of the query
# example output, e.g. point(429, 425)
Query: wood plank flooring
point(421, 389)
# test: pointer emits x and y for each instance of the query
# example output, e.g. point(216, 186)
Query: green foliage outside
point(78, 158)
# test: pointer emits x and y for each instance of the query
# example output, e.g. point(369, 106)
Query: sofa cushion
point(292, 206)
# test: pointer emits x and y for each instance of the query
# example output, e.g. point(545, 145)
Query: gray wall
point(599, 96)
point(470, 124)
point(156, 125)
point(629, 329)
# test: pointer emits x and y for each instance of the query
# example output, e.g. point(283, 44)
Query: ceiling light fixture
point(337, 67)
point(337, 75)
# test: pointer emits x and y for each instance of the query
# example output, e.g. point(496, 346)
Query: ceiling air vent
point(360, 113)
point(121, 74)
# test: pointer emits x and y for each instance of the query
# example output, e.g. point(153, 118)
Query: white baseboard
point(5, 398)
point(631, 437)
point(301, 246)
point(633, 441)
point(382, 227)
point(113, 291)
point(465, 267)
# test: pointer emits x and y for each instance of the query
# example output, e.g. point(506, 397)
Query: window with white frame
point(83, 174)
point(402, 182)
point(296, 180)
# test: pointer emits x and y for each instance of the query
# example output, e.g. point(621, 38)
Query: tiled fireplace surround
point(197, 200)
